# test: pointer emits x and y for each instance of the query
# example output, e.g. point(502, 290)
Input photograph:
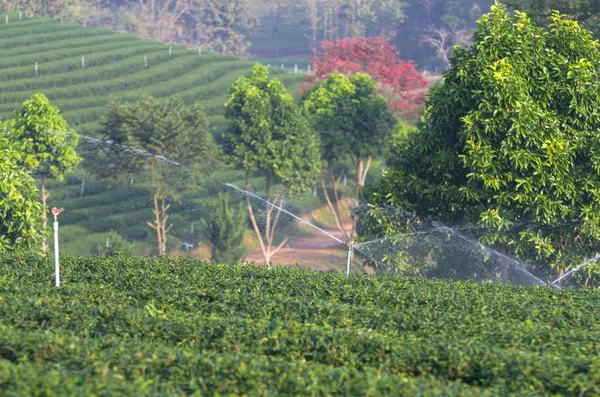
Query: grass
point(178, 327)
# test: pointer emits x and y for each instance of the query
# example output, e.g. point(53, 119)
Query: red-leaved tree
point(397, 80)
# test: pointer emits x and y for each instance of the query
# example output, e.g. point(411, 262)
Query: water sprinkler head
point(56, 212)
point(349, 244)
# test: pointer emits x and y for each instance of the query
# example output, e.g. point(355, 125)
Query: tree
point(278, 10)
point(443, 41)
point(220, 24)
point(585, 11)
point(20, 212)
point(48, 147)
point(510, 141)
point(268, 135)
point(159, 19)
point(396, 80)
point(166, 128)
point(226, 231)
point(353, 121)
point(337, 19)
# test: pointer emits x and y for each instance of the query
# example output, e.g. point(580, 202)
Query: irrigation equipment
point(55, 213)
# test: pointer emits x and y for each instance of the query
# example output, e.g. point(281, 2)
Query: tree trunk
point(45, 218)
point(266, 241)
point(326, 24)
point(276, 23)
point(361, 176)
point(255, 225)
point(160, 222)
point(313, 20)
point(334, 208)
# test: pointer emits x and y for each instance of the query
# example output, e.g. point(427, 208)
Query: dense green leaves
point(20, 212)
point(510, 140)
point(42, 135)
point(267, 133)
point(140, 327)
point(351, 118)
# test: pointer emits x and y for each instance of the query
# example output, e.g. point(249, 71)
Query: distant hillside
point(113, 64)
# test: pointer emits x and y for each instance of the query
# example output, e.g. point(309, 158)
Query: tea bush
point(180, 327)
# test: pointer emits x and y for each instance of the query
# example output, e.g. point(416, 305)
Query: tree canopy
point(511, 141)
point(397, 80)
point(43, 136)
point(20, 211)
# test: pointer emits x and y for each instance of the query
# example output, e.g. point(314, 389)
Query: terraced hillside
point(80, 68)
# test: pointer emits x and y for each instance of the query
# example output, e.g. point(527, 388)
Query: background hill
point(114, 65)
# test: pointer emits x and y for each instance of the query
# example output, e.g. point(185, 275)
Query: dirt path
point(316, 251)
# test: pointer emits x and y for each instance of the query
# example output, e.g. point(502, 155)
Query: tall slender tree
point(169, 129)
point(268, 135)
point(47, 144)
point(353, 122)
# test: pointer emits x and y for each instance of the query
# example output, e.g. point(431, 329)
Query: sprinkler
point(56, 212)
point(350, 245)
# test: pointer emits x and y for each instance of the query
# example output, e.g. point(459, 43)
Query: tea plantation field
point(142, 327)
point(113, 64)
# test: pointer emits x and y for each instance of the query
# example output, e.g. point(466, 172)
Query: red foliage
point(397, 80)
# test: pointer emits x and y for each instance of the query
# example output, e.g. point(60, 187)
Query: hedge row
point(183, 327)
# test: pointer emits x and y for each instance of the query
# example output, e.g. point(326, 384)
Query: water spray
point(567, 274)
point(56, 212)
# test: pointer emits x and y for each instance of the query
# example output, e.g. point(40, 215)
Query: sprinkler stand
point(56, 212)
point(350, 245)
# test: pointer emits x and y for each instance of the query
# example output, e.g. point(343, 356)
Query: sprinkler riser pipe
point(350, 245)
point(56, 262)
point(348, 261)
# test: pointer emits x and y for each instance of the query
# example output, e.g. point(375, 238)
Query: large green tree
point(20, 212)
point(511, 140)
point(226, 230)
point(353, 122)
point(268, 136)
point(167, 128)
point(47, 144)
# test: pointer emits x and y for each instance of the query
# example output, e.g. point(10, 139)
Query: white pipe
point(56, 267)
point(350, 248)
